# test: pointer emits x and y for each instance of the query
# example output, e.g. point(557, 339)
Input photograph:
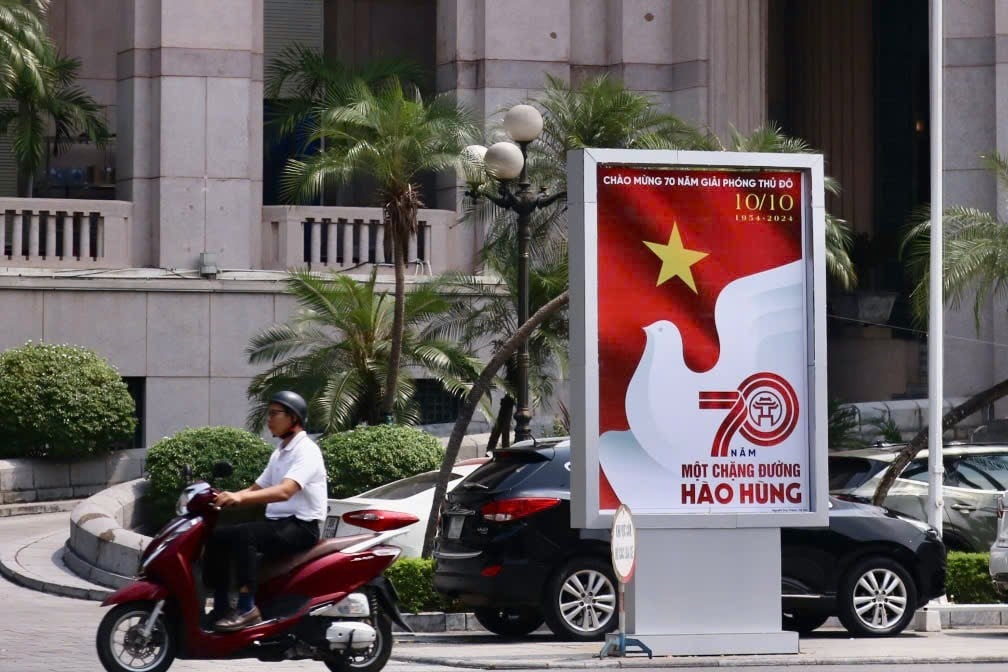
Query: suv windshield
point(848, 473)
point(505, 470)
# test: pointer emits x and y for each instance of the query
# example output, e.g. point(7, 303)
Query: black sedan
point(506, 549)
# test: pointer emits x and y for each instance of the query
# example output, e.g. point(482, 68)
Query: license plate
point(455, 526)
point(331, 523)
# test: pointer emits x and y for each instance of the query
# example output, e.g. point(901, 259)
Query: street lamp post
point(505, 162)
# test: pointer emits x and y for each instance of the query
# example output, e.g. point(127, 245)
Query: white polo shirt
point(301, 461)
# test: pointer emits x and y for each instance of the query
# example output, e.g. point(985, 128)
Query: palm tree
point(393, 135)
point(23, 42)
point(337, 349)
point(300, 81)
point(974, 265)
point(58, 104)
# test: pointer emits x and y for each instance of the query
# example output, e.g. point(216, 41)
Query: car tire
point(877, 598)
point(580, 602)
point(802, 622)
point(509, 621)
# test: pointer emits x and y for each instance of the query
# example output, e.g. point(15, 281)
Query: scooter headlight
point(182, 505)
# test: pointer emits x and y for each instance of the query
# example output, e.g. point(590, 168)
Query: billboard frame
point(582, 167)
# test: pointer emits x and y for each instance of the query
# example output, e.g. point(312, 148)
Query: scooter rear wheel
point(372, 659)
point(122, 646)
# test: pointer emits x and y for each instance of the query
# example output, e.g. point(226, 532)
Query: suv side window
point(980, 472)
point(917, 470)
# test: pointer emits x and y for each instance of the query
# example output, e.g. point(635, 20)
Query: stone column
point(190, 130)
point(971, 120)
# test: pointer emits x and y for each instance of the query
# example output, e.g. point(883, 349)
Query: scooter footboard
point(137, 591)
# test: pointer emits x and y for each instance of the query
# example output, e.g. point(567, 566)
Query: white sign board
point(624, 544)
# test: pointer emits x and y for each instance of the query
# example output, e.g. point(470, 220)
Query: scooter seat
point(273, 568)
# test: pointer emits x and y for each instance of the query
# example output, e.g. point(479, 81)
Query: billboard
point(695, 336)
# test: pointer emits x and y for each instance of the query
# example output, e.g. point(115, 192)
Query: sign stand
point(623, 549)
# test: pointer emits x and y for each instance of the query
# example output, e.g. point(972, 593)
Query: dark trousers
point(239, 546)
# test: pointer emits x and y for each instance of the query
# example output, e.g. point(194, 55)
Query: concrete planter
point(36, 480)
point(103, 548)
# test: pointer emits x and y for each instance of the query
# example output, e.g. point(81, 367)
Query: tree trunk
point(25, 184)
point(949, 420)
point(400, 226)
point(480, 388)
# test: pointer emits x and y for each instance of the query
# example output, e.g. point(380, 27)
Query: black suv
point(506, 549)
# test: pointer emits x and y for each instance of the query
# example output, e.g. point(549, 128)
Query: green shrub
point(413, 579)
point(200, 449)
point(61, 402)
point(365, 458)
point(968, 580)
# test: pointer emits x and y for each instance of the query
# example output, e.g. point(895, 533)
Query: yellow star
point(676, 260)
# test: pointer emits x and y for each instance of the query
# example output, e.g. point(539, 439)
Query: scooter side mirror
point(187, 473)
point(222, 469)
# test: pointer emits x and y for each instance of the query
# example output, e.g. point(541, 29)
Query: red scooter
point(330, 603)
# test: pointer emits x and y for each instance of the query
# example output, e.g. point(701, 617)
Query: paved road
point(43, 633)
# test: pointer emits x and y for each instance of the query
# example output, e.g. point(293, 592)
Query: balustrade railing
point(64, 233)
point(350, 239)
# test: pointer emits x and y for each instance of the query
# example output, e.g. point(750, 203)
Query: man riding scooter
point(293, 488)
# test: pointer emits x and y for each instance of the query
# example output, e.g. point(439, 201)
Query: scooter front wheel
point(122, 645)
point(371, 659)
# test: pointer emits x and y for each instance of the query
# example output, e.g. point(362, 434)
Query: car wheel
point(802, 622)
point(509, 622)
point(877, 598)
point(581, 600)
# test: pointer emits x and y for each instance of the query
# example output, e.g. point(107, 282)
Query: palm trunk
point(25, 184)
point(949, 420)
point(400, 229)
point(480, 388)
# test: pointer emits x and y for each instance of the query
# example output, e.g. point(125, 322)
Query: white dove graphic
point(760, 322)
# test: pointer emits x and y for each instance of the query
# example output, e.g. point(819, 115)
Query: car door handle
point(963, 508)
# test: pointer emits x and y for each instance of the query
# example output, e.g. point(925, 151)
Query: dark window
point(136, 386)
point(916, 471)
point(437, 405)
point(979, 472)
point(848, 473)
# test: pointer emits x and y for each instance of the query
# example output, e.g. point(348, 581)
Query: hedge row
point(968, 580)
point(355, 461)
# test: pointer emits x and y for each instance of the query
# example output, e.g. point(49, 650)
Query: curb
point(12, 570)
point(688, 662)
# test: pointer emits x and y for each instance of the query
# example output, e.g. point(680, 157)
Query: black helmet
point(294, 403)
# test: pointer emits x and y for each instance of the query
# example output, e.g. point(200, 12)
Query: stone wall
point(34, 480)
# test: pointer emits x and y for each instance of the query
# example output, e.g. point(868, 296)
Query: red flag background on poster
point(669, 241)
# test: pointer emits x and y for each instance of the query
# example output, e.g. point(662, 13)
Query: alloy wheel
point(880, 598)
point(587, 601)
